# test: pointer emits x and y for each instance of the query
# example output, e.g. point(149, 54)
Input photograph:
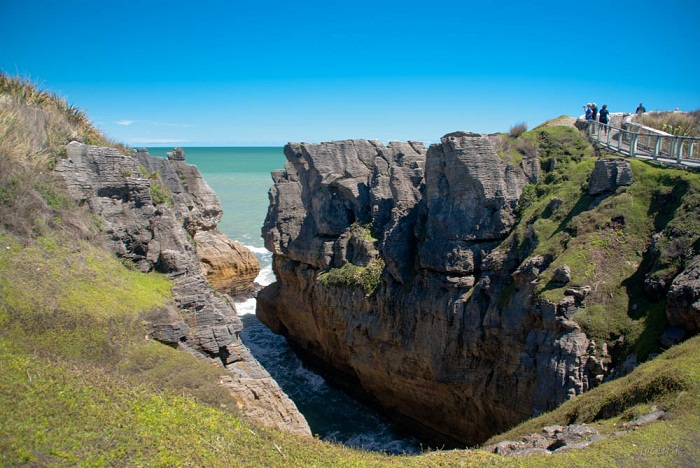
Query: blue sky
point(255, 72)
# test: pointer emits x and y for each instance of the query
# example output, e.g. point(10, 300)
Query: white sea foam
point(257, 250)
point(314, 383)
point(266, 276)
point(246, 307)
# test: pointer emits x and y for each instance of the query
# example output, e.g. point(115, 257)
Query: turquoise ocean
point(240, 176)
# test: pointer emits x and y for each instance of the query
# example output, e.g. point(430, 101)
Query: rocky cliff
point(161, 215)
point(393, 277)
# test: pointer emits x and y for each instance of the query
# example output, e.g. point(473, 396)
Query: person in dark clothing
point(594, 112)
point(603, 117)
point(640, 109)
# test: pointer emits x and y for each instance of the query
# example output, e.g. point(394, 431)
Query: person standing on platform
point(603, 117)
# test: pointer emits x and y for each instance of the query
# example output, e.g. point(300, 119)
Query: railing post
point(633, 144)
point(671, 148)
point(680, 150)
point(622, 134)
point(656, 147)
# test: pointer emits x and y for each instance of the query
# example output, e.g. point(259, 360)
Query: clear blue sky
point(256, 72)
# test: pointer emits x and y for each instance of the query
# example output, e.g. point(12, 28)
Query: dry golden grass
point(35, 127)
point(675, 123)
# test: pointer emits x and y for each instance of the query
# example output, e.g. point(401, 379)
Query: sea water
point(241, 179)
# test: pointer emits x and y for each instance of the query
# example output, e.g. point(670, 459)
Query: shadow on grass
point(664, 204)
point(584, 203)
point(552, 285)
point(642, 308)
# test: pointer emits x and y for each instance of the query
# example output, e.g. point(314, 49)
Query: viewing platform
point(634, 140)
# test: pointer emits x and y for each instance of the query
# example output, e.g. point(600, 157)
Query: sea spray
point(264, 278)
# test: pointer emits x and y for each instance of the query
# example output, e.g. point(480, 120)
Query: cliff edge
point(422, 281)
point(161, 215)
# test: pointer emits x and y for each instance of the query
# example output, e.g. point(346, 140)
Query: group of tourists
point(602, 116)
point(592, 113)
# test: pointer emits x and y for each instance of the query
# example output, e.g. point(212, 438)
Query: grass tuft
point(366, 278)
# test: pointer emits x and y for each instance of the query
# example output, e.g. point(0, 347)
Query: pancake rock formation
point(161, 215)
point(391, 278)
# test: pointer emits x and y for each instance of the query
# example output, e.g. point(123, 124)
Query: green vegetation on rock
point(607, 242)
point(365, 277)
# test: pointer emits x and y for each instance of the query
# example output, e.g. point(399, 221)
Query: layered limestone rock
point(228, 265)
point(608, 175)
point(161, 214)
point(451, 340)
point(683, 309)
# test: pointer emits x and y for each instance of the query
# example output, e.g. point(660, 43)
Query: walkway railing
point(642, 142)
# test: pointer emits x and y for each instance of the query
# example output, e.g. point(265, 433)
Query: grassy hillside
point(607, 242)
point(80, 384)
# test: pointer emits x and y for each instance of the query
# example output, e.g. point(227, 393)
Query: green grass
point(87, 416)
point(57, 284)
point(361, 233)
point(671, 382)
point(80, 384)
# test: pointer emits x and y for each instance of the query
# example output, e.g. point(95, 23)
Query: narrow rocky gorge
point(392, 278)
point(160, 214)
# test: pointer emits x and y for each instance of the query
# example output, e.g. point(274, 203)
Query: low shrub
point(675, 123)
point(517, 129)
point(367, 278)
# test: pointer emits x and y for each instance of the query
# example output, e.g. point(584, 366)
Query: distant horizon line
point(206, 146)
point(427, 143)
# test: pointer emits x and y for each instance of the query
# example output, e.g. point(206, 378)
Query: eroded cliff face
point(161, 215)
point(451, 340)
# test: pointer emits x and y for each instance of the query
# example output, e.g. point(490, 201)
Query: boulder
point(176, 155)
point(608, 175)
point(228, 265)
point(552, 439)
point(562, 274)
point(683, 310)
